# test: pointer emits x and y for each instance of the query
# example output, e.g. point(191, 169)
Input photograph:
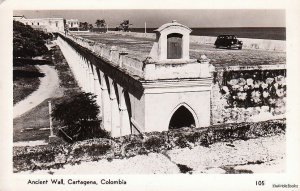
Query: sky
point(156, 17)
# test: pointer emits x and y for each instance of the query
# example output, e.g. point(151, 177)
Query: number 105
point(260, 183)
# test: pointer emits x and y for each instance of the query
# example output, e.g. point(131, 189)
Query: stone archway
point(182, 117)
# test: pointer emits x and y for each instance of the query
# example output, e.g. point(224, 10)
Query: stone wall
point(248, 95)
point(261, 44)
point(239, 93)
point(192, 98)
point(113, 54)
point(148, 69)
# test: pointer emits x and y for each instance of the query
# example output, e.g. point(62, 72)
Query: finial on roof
point(174, 21)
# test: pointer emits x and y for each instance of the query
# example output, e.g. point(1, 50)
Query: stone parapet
point(113, 54)
point(173, 69)
point(251, 67)
point(148, 69)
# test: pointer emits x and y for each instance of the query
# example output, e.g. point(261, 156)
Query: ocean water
point(274, 33)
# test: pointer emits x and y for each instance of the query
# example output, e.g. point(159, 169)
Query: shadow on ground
point(26, 74)
point(29, 61)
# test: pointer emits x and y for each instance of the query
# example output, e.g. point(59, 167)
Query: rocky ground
point(260, 155)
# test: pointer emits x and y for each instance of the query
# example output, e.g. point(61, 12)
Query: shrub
point(132, 148)
point(154, 143)
point(79, 116)
point(193, 137)
point(54, 156)
point(182, 142)
point(92, 150)
point(39, 157)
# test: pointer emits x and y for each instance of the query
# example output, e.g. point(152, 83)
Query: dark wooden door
point(174, 48)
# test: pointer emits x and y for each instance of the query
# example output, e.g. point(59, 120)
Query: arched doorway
point(174, 46)
point(182, 117)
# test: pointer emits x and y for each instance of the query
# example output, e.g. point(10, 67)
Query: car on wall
point(228, 41)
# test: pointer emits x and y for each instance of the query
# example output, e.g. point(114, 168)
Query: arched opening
point(182, 118)
point(174, 46)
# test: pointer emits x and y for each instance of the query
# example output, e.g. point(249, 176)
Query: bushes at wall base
point(55, 156)
point(78, 116)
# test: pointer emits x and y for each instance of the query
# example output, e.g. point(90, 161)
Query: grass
point(26, 77)
point(67, 81)
point(25, 81)
point(34, 125)
point(28, 127)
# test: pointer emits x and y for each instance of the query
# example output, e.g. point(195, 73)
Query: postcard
point(148, 95)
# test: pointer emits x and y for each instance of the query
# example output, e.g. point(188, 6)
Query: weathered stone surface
point(180, 141)
point(259, 155)
point(254, 151)
point(215, 171)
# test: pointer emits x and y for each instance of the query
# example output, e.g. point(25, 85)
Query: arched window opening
point(182, 118)
point(174, 46)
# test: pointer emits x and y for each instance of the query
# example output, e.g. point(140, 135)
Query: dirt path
point(49, 83)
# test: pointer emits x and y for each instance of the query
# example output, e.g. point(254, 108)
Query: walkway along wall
point(137, 96)
point(248, 43)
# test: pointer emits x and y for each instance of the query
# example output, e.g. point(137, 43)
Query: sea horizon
point(273, 33)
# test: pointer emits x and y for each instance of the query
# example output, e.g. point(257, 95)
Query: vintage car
point(228, 41)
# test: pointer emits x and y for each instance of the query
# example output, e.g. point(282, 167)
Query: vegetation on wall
point(55, 156)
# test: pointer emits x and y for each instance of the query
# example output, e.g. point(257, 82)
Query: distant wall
point(135, 34)
point(262, 44)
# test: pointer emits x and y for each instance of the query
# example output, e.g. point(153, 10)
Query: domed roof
point(173, 23)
